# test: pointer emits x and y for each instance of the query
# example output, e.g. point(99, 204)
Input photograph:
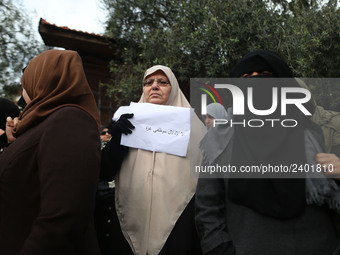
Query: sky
point(83, 15)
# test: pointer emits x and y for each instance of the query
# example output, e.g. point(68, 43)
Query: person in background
point(214, 111)
point(218, 137)
point(105, 136)
point(7, 109)
point(329, 121)
point(154, 190)
point(106, 220)
point(268, 215)
point(49, 172)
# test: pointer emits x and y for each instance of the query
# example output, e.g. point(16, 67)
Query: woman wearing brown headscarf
point(48, 174)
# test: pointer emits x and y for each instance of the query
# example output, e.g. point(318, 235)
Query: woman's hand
point(122, 125)
point(329, 161)
point(11, 124)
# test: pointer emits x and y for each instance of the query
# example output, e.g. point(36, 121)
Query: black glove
point(122, 125)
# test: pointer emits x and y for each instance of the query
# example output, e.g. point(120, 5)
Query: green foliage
point(17, 44)
point(206, 38)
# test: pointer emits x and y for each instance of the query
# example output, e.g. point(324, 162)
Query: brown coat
point(48, 178)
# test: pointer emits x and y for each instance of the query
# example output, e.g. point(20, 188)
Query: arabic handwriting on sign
point(158, 130)
point(161, 131)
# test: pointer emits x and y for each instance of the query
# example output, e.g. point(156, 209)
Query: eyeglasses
point(105, 132)
point(160, 82)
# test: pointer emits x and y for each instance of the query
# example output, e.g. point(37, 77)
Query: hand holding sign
point(122, 125)
point(158, 128)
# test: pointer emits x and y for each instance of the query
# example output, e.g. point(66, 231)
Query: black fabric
point(110, 237)
point(275, 146)
point(113, 242)
point(259, 61)
point(183, 239)
point(114, 153)
point(7, 108)
point(224, 249)
point(112, 156)
point(22, 102)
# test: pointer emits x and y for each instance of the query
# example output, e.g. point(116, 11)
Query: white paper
point(159, 128)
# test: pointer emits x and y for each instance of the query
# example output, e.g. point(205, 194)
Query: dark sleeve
point(3, 139)
point(113, 155)
point(336, 150)
point(3, 142)
point(210, 217)
point(68, 160)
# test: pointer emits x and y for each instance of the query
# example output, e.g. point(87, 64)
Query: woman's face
point(105, 135)
point(208, 120)
point(157, 88)
point(251, 74)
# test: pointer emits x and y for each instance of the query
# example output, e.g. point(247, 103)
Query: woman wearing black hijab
point(268, 215)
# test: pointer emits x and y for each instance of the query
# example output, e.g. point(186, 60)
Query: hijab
point(217, 111)
point(153, 188)
point(262, 60)
point(55, 79)
point(278, 198)
point(217, 138)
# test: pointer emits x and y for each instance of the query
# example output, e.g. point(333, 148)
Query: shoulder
point(69, 112)
point(69, 126)
point(70, 123)
point(68, 116)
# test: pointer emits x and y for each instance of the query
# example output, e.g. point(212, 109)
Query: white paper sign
point(160, 128)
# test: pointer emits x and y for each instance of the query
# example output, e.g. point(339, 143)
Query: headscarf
point(217, 111)
point(7, 108)
point(217, 138)
point(55, 79)
point(262, 60)
point(153, 188)
point(279, 198)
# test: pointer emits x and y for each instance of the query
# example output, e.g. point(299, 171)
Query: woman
point(218, 137)
point(154, 191)
point(268, 215)
point(214, 111)
point(105, 136)
point(49, 172)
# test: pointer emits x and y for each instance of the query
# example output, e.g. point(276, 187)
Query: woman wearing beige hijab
point(49, 172)
point(154, 190)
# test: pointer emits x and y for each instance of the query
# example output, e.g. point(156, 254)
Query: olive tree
point(18, 44)
point(206, 38)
